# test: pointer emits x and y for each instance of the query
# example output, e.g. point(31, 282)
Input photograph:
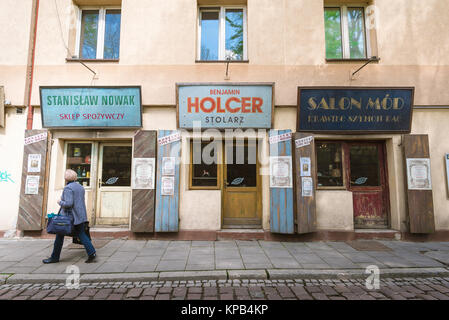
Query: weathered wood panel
point(305, 205)
point(419, 202)
point(142, 212)
point(167, 206)
point(2, 107)
point(31, 206)
point(281, 199)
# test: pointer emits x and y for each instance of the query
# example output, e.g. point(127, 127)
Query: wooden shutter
point(419, 202)
point(32, 206)
point(281, 199)
point(167, 206)
point(142, 214)
point(305, 214)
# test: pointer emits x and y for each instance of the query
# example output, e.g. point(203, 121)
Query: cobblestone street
point(300, 289)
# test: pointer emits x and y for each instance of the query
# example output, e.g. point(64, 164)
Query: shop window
point(79, 160)
point(345, 33)
point(99, 33)
point(204, 165)
point(222, 33)
point(329, 164)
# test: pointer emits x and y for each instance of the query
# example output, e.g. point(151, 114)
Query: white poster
point(143, 173)
point(305, 166)
point(168, 166)
point(307, 186)
point(168, 186)
point(32, 185)
point(281, 172)
point(34, 163)
point(418, 174)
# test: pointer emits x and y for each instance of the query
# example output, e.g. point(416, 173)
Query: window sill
point(221, 61)
point(91, 60)
point(354, 60)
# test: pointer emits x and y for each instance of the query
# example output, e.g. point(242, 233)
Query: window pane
point(116, 166)
point(234, 34)
point(204, 166)
point(364, 166)
point(332, 25)
point(329, 168)
point(78, 159)
point(209, 35)
point(356, 33)
point(89, 33)
point(241, 165)
point(112, 34)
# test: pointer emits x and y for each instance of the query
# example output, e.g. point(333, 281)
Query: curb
point(270, 274)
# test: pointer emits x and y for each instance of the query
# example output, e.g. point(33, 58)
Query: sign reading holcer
point(225, 105)
point(352, 109)
point(93, 107)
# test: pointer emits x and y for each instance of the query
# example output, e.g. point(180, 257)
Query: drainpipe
point(30, 66)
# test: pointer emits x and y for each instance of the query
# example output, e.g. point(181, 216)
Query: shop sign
point(355, 109)
point(224, 105)
point(91, 107)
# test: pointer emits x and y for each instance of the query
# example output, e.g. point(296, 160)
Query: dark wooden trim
point(353, 60)
point(92, 60)
point(221, 61)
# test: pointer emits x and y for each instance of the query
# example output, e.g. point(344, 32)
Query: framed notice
point(34, 162)
point(307, 186)
point(168, 186)
point(305, 166)
point(143, 173)
point(168, 166)
point(418, 174)
point(281, 172)
point(32, 185)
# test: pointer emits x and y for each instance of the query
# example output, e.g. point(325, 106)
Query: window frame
point(221, 31)
point(101, 30)
point(218, 186)
point(344, 28)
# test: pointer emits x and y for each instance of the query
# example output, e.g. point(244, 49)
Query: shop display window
point(79, 160)
point(329, 164)
point(204, 168)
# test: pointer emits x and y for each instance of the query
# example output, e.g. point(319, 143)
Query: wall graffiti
point(5, 176)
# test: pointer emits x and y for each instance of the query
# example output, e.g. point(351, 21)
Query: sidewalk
point(141, 260)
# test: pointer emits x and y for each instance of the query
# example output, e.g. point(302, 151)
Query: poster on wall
point(143, 173)
point(168, 166)
point(34, 162)
point(305, 166)
point(418, 174)
point(307, 186)
point(281, 172)
point(32, 185)
point(168, 186)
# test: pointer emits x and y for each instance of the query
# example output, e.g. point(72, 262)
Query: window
point(204, 168)
point(79, 160)
point(329, 164)
point(345, 33)
point(222, 33)
point(99, 34)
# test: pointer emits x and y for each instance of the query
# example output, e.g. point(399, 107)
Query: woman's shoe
point(50, 260)
point(91, 258)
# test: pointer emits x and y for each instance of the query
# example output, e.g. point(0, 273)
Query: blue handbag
point(60, 224)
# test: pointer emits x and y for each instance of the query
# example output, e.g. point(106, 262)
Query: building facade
point(199, 119)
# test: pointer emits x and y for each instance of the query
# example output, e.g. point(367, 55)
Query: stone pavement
point(142, 260)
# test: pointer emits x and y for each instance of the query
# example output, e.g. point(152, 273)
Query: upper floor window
point(222, 33)
point(99, 33)
point(345, 33)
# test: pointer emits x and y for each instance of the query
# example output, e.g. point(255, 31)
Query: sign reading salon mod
point(225, 105)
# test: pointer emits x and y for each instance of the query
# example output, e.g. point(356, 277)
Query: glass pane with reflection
point(209, 35)
point(112, 34)
point(234, 34)
point(356, 33)
point(89, 34)
point(332, 24)
point(365, 167)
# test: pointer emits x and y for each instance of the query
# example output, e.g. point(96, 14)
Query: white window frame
point(346, 50)
point(101, 29)
point(221, 31)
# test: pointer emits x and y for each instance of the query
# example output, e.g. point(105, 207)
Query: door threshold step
point(108, 229)
point(376, 231)
point(241, 230)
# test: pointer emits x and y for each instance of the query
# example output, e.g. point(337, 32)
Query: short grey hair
point(70, 175)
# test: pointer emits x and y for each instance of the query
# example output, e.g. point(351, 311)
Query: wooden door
point(114, 184)
point(241, 185)
point(366, 176)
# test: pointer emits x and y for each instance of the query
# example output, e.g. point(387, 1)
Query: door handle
point(99, 183)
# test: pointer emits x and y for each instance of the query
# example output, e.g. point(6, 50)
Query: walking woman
point(72, 200)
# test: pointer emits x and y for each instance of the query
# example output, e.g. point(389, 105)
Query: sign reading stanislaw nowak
point(225, 106)
point(94, 107)
point(353, 109)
